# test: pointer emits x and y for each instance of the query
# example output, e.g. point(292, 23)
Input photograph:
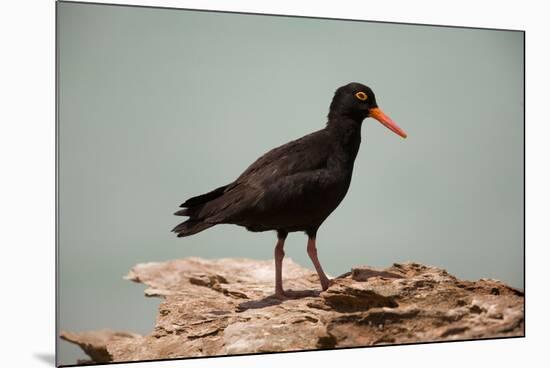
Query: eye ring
point(361, 96)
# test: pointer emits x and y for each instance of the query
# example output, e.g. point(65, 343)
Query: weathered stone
point(364, 273)
point(227, 306)
point(95, 343)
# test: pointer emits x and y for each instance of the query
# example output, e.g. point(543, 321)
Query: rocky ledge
point(227, 306)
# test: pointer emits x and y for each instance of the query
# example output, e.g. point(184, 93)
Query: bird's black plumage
point(293, 187)
point(296, 186)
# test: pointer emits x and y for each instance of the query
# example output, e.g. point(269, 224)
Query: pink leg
point(312, 252)
point(279, 255)
point(279, 291)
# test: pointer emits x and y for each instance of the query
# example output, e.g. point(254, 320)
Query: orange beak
point(379, 115)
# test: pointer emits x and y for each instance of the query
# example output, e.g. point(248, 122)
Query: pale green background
point(157, 105)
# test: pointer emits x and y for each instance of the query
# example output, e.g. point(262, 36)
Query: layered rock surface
point(227, 306)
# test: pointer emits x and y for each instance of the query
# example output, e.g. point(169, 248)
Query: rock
point(227, 306)
point(95, 343)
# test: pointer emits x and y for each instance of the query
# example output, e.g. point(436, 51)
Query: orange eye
point(361, 96)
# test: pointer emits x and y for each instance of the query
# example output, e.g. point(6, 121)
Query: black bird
point(296, 186)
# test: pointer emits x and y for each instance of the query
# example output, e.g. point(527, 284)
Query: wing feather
point(279, 179)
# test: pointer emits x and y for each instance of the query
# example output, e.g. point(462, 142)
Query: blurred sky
point(157, 105)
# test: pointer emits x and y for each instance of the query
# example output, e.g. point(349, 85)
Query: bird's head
point(357, 101)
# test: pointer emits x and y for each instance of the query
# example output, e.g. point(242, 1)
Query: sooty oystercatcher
point(296, 186)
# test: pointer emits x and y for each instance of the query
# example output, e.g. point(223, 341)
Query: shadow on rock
point(273, 299)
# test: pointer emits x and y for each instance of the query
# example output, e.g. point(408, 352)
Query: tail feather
point(191, 227)
point(203, 198)
point(192, 208)
point(184, 212)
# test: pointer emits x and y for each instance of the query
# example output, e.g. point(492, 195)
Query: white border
point(27, 183)
point(431, 12)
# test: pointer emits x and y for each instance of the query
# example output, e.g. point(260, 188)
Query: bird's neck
point(337, 114)
point(346, 134)
point(344, 128)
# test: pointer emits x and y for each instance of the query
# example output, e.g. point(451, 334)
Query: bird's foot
point(326, 283)
point(294, 294)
